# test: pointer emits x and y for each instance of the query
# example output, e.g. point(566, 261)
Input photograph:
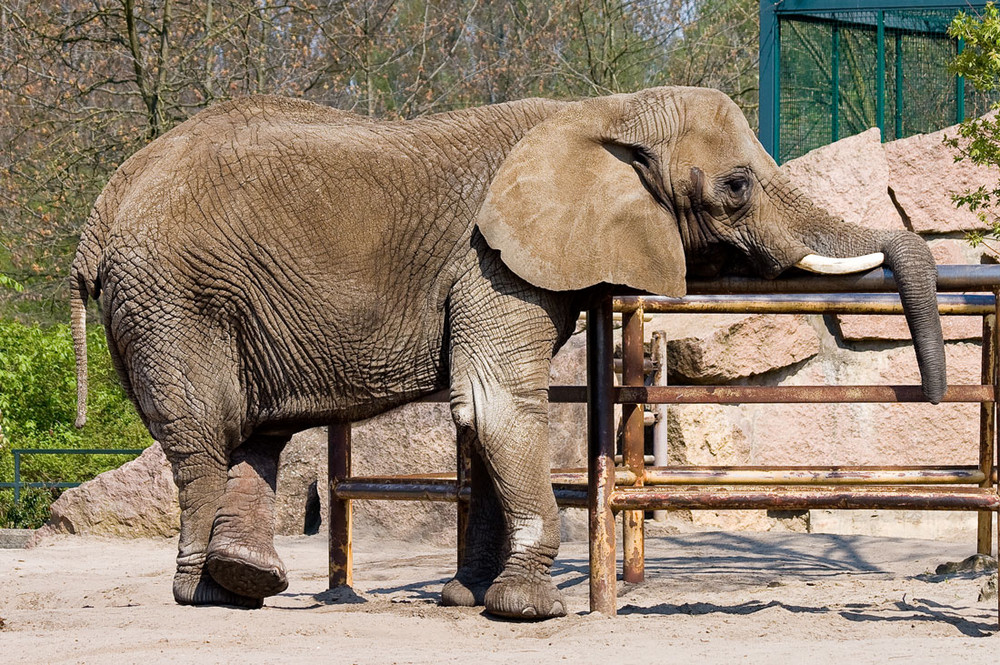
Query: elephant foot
point(531, 596)
point(256, 572)
point(466, 590)
point(192, 588)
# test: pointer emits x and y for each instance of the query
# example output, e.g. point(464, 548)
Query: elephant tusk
point(830, 266)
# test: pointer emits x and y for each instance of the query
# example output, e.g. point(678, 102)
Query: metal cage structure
point(631, 488)
point(830, 69)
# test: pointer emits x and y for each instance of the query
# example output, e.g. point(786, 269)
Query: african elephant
point(272, 265)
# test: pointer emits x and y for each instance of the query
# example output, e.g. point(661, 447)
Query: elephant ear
point(568, 209)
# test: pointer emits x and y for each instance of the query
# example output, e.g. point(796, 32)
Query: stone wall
point(904, 184)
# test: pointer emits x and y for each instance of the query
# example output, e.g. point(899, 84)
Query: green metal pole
point(899, 86)
point(960, 88)
point(768, 68)
point(777, 91)
point(880, 76)
point(835, 85)
point(17, 476)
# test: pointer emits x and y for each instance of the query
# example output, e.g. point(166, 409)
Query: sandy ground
point(709, 598)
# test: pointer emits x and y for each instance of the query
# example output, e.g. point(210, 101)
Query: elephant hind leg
point(200, 475)
point(241, 555)
point(485, 541)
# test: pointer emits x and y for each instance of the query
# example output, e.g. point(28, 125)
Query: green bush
point(30, 512)
point(978, 140)
point(38, 406)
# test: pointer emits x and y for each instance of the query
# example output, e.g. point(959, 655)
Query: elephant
point(272, 265)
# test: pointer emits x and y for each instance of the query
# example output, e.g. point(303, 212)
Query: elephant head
point(642, 189)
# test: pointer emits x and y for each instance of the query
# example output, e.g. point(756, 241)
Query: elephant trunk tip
point(935, 389)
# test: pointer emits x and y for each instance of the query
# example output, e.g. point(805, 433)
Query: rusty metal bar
point(463, 474)
point(950, 278)
point(600, 462)
point(987, 430)
point(557, 394)
point(760, 394)
point(383, 488)
point(443, 491)
point(661, 436)
point(648, 366)
point(791, 394)
point(579, 477)
point(854, 475)
point(443, 485)
point(806, 498)
point(633, 446)
point(338, 470)
point(820, 303)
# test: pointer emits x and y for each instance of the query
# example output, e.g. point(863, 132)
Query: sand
point(708, 598)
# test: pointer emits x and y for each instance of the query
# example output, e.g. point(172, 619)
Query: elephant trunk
point(907, 255)
point(912, 265)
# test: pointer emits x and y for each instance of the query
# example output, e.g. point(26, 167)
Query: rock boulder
point(712, 348)
point(136, 500)
point(850, 179)
point(923, 176)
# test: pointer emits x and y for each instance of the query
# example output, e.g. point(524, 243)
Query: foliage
point(84, 87)
point(38, 405)
point(8, 283)
point(978, 139)
point(31, 512)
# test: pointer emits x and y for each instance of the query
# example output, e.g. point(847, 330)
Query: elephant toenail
point(529, 612)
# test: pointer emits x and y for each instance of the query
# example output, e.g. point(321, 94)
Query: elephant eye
point(738, 187)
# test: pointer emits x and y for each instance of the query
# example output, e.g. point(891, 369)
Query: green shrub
point(979, 63)
point(38, 405)
point(30, 512)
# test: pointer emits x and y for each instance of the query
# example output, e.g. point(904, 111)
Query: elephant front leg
point(512, 427)
point(485, 542)
point(241, 555)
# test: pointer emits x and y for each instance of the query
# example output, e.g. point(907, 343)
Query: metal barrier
point(18, 452)
point(634, 487)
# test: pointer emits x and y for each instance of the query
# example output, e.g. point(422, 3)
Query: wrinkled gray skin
point(272, 265)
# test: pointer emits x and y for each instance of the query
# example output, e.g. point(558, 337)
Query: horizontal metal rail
point(444, 486)
point(874, 394)
point(791, 394)
point(968, 278)
point(949, 304)
point(805, 498)
point(17, 485)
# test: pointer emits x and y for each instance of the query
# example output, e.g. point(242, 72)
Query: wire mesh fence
point(840, 72)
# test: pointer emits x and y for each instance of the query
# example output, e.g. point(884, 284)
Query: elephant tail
point(78, 325)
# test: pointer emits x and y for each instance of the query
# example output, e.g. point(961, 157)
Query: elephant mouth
point(723, 261)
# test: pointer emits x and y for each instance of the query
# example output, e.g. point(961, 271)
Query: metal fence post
point(17, 476)
point(462, 482)
point(661, 437)
point(601, 457)
point(987, 429)
point(339, 468)
point(633, 444)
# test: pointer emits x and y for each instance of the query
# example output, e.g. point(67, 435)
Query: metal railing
point(17, 485)
point(633, 487)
